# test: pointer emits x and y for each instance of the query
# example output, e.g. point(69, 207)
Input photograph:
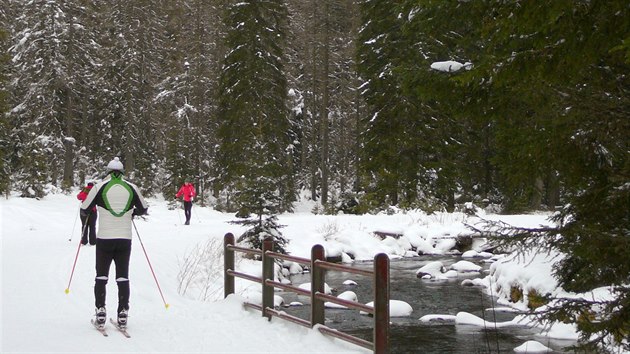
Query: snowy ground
point(37, 257)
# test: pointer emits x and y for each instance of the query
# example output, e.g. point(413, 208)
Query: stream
point(426, 297)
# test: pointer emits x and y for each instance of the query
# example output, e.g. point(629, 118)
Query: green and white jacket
point(117, 201)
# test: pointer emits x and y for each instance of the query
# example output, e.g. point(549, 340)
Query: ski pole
point(179, 212)
point(195, 212)
point(75, 260)
point(166, 305)
point(75, 224)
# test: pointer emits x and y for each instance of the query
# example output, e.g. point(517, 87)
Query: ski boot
point(122, 319)
point(101, 317)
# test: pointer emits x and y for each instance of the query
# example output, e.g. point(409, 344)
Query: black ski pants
point(89, 230)
point(119, 251)
point(187, 211)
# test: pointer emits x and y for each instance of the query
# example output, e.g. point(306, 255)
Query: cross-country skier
point(187, 190)
point(88, 224)
point(117, 201)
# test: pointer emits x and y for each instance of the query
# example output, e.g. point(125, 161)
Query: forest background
point(337, 98)
point(263, 101)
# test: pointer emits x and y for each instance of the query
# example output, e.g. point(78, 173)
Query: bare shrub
point(201, 271)
point(329, 231)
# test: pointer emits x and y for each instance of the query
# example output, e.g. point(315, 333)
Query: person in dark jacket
point(117, 201)
point(89, 220)
point(187, 190)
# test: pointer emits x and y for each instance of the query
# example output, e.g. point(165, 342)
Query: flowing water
point(408, 334)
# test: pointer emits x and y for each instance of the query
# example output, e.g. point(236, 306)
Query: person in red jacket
point(90, 219)
point(187, 190)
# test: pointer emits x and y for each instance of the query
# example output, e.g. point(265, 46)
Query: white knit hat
point(115, 165)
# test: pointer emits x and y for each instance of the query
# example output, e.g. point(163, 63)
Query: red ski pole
point(166, 305)
point(75, 259)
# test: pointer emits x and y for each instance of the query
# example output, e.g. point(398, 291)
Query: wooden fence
point(318, 267)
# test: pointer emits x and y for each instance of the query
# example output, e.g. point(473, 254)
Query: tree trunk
point(313, 117)
point(536, 199)
point(552, 197)
point(68, 142)
point(324, 116)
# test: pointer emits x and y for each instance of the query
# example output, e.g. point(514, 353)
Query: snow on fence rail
point(380, 274)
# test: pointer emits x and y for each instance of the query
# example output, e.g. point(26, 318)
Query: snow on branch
point(450, 66)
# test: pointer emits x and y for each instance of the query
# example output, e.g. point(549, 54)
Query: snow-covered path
point(37, 315)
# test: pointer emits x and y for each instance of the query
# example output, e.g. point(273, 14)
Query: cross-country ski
point(100, 329)
point(120, 329)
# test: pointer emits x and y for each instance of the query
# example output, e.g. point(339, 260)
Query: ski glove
point(138, 212)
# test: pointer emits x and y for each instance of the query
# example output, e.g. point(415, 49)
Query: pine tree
point(54, 59)
point(253, 117)
point(324, 117)
point(260, 215)
point(188, 93)
point(132, 42)
point(567, 64)
point(339, 116)
point(544, 64)
point(302, 74)
point(386, 153)
point(5, 171)
point(451, 132)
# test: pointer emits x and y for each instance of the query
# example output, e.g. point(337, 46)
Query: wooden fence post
point(267, 274)
point(381, 304)
point(317, 285)
point(228, 264)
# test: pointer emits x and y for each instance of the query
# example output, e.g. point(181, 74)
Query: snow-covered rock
point(397, 308)
point(437, 271)
point(294, 268)
point(475, 254)
point(346, 295)
point(465, 318)
point(431, 269)
point(465, 267)
point(532, 346)
point(307, 286)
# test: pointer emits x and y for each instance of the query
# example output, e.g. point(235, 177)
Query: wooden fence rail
point(318, 264)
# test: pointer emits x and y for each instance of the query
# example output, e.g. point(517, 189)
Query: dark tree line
point(538, 97)
point(540, 118)
point(339, 96)
point(175, 88)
